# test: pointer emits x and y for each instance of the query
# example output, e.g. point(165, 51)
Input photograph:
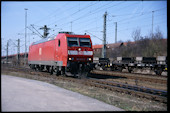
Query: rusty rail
point(129, 76)
point(148, 93)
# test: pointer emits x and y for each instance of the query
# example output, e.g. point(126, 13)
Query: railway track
point(142, 92)
point(132, 87)
point(160, 80)
point(143, 74)
point(152, 94)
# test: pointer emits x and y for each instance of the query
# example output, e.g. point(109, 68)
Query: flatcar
point(65, 54)
point(157, 64)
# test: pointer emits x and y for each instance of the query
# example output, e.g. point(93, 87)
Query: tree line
point(152, 45)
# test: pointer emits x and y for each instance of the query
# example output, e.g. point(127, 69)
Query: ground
point(123, 101)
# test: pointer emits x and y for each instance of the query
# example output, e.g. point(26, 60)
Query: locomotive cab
point(80, 54)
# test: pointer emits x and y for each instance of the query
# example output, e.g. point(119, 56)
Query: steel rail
point(131, 87)
point(161, 98)
point(136, 77)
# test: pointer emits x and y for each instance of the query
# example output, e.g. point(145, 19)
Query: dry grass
point(141, 83)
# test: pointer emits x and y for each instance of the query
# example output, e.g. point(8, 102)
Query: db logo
point(80, 52)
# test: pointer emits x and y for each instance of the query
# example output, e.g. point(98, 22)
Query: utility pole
point(152, 22)
point(18, 57)
point(7, 53)
point(115, 32)
point(104, 37)
point(45, 31)
point(25, 35)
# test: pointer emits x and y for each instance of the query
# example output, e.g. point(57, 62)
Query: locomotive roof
point(52, 38)
point(43, 40)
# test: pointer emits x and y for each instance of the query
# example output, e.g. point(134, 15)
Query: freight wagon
point(157, 64)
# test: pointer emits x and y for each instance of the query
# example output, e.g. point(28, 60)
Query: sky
point(79, 17)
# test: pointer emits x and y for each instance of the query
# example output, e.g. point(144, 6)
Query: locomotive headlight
point(69, 58)
point(79, 49)
point(89, 59)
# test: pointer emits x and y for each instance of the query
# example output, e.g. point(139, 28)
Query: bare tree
point(158, 34)
point(136, 34)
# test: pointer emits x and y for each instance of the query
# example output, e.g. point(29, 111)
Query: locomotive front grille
point(74, 52)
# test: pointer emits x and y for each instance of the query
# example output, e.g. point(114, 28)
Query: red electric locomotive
point(66, 53)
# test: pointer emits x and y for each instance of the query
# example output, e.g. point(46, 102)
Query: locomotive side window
point(58, 43)
point(85, 42)
point(72, 42)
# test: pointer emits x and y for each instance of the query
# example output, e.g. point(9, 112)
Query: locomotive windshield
point(85, 42)
point(74, 42)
